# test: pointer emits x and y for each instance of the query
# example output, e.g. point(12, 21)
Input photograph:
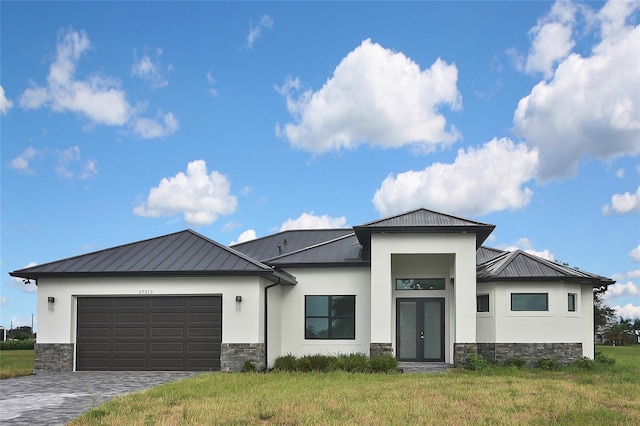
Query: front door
point(420, 329)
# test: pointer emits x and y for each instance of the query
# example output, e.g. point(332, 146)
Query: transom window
point(330, 317)
point(571, 302)
point(482, 303)
point(420, 284)
point(529, 301)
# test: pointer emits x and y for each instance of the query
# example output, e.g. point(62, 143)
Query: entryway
point(420, 329)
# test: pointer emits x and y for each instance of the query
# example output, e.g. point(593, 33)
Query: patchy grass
point(16, 363)
point(508, 395)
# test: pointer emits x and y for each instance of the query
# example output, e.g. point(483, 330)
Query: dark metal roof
point(341, 251)
point(180, 253)
point(485, 253)
point(286, 242)
point(423, 221)
point(519, 265)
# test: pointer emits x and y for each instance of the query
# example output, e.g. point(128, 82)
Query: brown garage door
point(149, 333)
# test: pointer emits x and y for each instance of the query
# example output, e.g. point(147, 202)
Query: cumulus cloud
point(20, 284)
point(635, 254)
point(375, 96)
point(150, 69)
point(626, 203)
point(199, 195)
point(97, 97)
point(5, 104)
point(480, 181)
point(312, 221)
point(71, 165)
point(526, 245)
point(247, 235)
point(164, 125)
point(22, 163)
point(627, 311)
point(622, 290)
point(255, 30)
point(590, 105)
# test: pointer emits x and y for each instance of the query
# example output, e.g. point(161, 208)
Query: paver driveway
point(55, 398)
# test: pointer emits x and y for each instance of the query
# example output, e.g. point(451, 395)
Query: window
point(571, 302)
point(330, 317)
point(420, 284)
point(529, 301)
point(482, 303)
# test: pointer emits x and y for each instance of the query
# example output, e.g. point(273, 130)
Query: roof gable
point(180, 253)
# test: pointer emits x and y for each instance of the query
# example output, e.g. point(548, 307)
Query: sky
point(122, 121)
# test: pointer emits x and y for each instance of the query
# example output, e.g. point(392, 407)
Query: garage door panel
point(149, 333)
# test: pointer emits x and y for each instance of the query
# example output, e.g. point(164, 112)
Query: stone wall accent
point(53, 357)
point(380, 349)
point(234, 355)
point(461, 351)
point(563, 353)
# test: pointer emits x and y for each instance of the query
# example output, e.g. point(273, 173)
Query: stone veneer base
point(234, 355)
point(380, 349)
point(563, 353)
point(461, 351)
point(53, 357)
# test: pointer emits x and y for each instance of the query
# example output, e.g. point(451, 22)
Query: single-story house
point(419, 286)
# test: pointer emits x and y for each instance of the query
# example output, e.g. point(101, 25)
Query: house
point(419, 286)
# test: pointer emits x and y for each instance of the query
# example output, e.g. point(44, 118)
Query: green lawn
point(16, 363)
point(607, 395)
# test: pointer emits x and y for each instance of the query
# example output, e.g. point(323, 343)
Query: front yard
point(606, 395)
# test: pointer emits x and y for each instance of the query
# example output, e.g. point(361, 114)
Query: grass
point(607, 395)
point(16, 363)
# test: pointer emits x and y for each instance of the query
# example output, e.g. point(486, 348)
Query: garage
point(149, 333)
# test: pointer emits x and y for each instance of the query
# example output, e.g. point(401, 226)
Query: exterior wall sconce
point(51, 299)
point(238, 298)
point(452, 280)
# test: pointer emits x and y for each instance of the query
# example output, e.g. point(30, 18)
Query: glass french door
point(420, 329)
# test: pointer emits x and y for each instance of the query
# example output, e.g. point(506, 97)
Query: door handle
point(422, 334)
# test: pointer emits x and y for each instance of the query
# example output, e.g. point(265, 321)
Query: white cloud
point(3, 301)
point(20, 284)
point(199, 195)
point(620, 173)
point(247, 235)
point(526, 245)
point(22, 162)
point(590, 106)
point(635, 254)
point(5, 104)
point(551, 39)
point(147, 128)
point(622, 290)
point(71, 165)
point(312, 221)
point(212, 81)
point(627, 311)
point(626, 203)
point(265, 23)
point(627, 275)
point(480, 181)
point(97, 97)
point(375, 96)
point(150, 70)
point(25, 321)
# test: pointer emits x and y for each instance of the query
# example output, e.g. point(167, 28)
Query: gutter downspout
point(266, 322)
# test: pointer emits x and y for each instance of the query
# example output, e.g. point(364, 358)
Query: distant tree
point(20, 333)
point(636, 324)
point(619, 333)
point(602, 314)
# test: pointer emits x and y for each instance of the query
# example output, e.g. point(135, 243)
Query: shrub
point(515, 362)
point(304, 364)
point(285, 363)
point(318, 362)
point(357, 363)
point(548, 364)
point(476, 362)
point(584, 363)
point(383, 364)
point(249, 367)
point(601, 358)
point(9, 345)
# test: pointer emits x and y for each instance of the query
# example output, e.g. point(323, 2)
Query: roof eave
point(596, 283)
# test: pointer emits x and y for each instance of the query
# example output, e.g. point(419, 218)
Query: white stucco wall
point(241, 322)
point(329, 282)
point(557, 325)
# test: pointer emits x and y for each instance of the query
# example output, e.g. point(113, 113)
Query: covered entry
point(149, 333)
point(420, 329)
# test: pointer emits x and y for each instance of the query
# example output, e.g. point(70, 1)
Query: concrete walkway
point(50, 399)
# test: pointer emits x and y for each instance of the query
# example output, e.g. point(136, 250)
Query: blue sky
point(122, 121)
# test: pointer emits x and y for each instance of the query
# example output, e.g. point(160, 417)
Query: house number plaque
point(143, 291)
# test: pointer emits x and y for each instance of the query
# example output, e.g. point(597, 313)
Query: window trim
point(329, 317)
point(546, 294)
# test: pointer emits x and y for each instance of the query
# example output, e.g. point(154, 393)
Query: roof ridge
point(285, 231)
point(233, 251)
point(333, 240)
